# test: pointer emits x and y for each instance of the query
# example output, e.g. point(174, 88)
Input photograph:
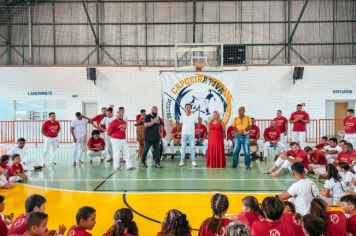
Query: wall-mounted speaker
point(91, 74)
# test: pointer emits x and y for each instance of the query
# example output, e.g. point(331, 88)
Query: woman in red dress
point(215, 157)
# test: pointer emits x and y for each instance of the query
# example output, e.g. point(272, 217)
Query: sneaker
point(38, 167)
point(144, 165)
point(122, 160)
point(158, 166)
point(131, 168)
point(248, 168)
point(110, 160)
point(194, 164)
point(181, 164)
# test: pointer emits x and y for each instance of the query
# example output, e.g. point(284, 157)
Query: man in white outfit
point(331, 151)
point(272, 136)
point(105, 123)
point(21, 149)
point(50, 130)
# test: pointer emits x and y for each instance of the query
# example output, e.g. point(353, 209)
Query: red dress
point(215, 157)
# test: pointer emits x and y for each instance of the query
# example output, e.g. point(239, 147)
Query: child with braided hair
point(175, 224)
point(216, 225)
point(124, 225)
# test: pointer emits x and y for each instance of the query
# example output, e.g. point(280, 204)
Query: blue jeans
point(190, 139)
point(244, 141)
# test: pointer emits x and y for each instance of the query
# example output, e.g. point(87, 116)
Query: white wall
point(262, 89)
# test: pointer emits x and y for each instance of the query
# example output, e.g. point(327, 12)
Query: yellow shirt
point(241, 124)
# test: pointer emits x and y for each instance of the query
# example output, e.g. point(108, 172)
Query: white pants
point(321, 169)
point(164, 146)
point(174, 148)
point(3, 180)
point(202, 148)
point(49, 149)
point(351, 138)
point(120, 146)
point(300, 138)
point(283, 163)
point(260, 145)
point(283, 138)
point(280, 147)
point(330, 158)
point(229, 145)
point(108, 145)
point(78, 149)
point(93, 154)
point(14, 179)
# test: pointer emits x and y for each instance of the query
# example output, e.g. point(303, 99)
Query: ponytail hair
point(252, 203)
point(176, 224)
point(219, 205)
point(319, 207)
point(124, 221)
point(291, 207)
point(332, 173)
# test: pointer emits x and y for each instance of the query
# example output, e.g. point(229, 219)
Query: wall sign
point(342, 91)
point(39, 93)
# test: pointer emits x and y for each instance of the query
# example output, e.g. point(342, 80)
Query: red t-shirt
point(346, 157)
point(267, 228)
point(205, 231)
point(320, 146)
point(272, 134)
point(3, 227)
point(77, 231)
point(4, 165)
point(254, 131)
point(291, 219)
point(317, 158)
point(19, 225)
point(350, 125)
point(176, 134)
point(117, 129)
point(200, 131)
point(351, 225)
point(300, 154)
point(97, 119)
point(299, 126)
point(138, 118)
point(230, 133)
point(14, 169)
point(281, 122)
point(50, 129)
point(100, 143)
point(248, 218)
point(336, 223)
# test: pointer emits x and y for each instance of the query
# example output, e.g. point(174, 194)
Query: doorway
point(90, 109)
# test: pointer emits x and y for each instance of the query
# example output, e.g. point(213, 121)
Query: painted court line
point(173, 179)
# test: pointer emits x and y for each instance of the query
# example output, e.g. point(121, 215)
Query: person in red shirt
point(272, 137)
point(273, 209)
point(229, 141)
point(313, 225)
point(347, 155)
point(317, 159)
point(117, 132)
point(124, 224)
point(176, 134)
point(4, 183)
point(335, 220)
point(16, 172)
point(348, 205)
point(4, 220)
point(282, 124)
point(299, 119)
point(256, 144)
point(286, 159)
point(291, 217)
point(216, 225)
point(34, 203)
point(175, 223)
point(140, 118)
point(36, 224)
point(96, 146)
point(86, 220)
point(350, 127)
point(201, 134)
point(322, 144)
point(97, 120)
point(50, 131)
point(251, 211)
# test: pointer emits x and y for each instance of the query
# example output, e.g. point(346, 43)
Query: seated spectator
point(302, 192)
point(4, 183)
point(272, 208)
point(201, 134)
point(216, 225)
point(175, 224)
point(34, 203)
point(332, 150)
point(334, 188)
point(176, 134)
point(237, 229)
point(346, 175)
point(229, 141)
point(317, 160)
point(342, 143)
point(313, 225)
point(36, 225)
point(251, 211)
point(348, 205)
point(16, 172)
point(96, 146)
point(85, 219)
point(5, 221)
point(291, 217)
point(347, 155)
point(286, 159)
point(335, 220)
point(21, 149)
point(255, 143)
point(322, 144)
point(124, 225)
point(272, 137)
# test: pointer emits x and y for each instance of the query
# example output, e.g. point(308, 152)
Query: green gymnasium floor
point(101, 176)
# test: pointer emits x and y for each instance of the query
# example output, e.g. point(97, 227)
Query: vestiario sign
point(39, 93)
point(342, 91)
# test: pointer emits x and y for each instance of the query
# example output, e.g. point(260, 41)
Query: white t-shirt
point(22, 152)
point(332, 156)
point(188, 123)
point(79, 127)
point(106, 121)
point(347, 177)
point(337, 189)
point(303, 192)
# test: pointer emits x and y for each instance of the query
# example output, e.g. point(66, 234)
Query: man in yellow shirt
point(242, 125)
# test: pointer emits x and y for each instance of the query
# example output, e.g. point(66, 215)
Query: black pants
point(156, 151)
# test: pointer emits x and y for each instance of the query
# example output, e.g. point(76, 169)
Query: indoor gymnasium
point(177, 118)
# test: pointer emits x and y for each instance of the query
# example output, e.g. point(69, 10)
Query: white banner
point(206, 92)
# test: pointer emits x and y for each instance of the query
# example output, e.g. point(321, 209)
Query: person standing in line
point(152, 136)
point(117, 132)
point(242, 124)
point(97, 120)
point(187, 122)
point(282, 124)
point(105, 123)
point(350, 127)
point(299, 119)
point(215, 157)
point(201, 133)
point(122, 109)
point(140, 131)
point(50, 130)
